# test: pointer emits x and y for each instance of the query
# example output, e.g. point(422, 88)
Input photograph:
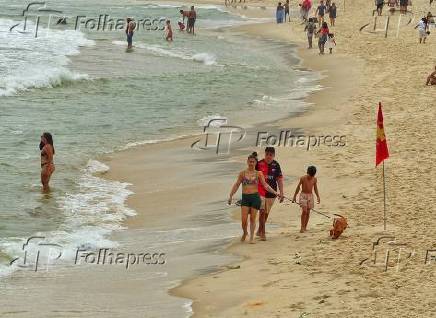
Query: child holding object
point(307, 184)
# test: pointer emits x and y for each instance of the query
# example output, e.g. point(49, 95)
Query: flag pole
point(384, 198)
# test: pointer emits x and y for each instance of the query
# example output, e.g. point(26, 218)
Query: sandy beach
point(179, 195)
point(309, 275)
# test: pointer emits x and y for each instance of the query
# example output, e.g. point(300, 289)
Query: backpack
point(311, 27)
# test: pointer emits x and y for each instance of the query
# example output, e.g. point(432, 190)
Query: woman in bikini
point(251, 202)
point(47, 165)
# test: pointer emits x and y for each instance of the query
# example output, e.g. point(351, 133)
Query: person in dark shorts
point(130, 29)
point(273, 175)
point(310, 29)
point(192, 16)
point(379, 4)
point(287, 11)
point(332, 14)
point(403, 6)
point(322, 37)
point(250, 178)
point(321, 12)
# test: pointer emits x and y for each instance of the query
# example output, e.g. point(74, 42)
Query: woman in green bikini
point(250, 203)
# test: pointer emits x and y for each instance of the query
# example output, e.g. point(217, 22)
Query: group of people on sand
point(326, 39)
point(282, 12)
point(392, 4)
point(323, 8)
point(262, 184)
point(191, 17)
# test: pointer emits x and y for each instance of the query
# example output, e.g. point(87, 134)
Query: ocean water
point(96, 98)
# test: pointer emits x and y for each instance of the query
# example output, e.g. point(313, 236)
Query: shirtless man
point(47, 165)
point(192, 17)
point(185, 14)
point(431, 79)
point(308, 184)
point(130, 28)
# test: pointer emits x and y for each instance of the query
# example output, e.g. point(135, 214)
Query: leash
point(323, 214)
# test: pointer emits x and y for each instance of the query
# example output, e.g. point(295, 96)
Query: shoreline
point(307, 120)
point(294, 275)
point(291, 274)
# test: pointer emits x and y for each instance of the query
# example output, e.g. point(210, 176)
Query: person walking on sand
point(47, 165)
point(379, 6)
point(422, 30)
point(332, 14)
point(311, 30)
point(307, 185)
point(250, 203)
point(168, 31)
point(330, 43)
point(130, 29)
point(280, 13)
point(273, 175)
point(306, 5)
point(403, 6)
point(322, 37)
point(287, 11)
point(320, 10)
point(431, 79)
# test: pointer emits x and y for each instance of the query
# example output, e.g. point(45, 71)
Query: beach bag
point(339, 226)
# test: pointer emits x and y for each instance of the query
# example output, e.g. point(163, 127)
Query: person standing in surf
point(250, 178)
point(168, 31)
point(47, 165)
point(185, 14)
point(130, 29)
point(274, 177)
point(192, 17)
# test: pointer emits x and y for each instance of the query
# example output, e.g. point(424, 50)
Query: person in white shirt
point(422, 30)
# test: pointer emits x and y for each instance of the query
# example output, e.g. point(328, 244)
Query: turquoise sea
point(95, 98)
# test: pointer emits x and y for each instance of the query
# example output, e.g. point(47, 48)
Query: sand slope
point(309, 275)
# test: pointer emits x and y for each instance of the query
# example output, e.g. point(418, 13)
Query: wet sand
point(299, 275)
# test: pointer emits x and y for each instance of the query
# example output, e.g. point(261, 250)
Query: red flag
point(381, 148)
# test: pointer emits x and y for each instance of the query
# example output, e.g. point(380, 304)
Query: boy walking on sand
point(307, 184)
